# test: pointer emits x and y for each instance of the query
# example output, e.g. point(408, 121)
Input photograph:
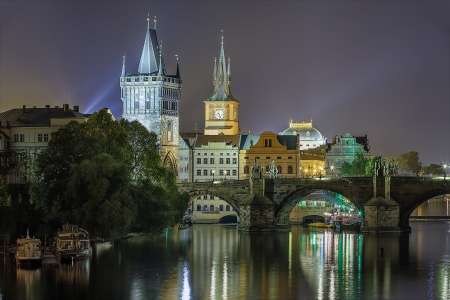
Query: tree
point(433, 169)
point(356, 168)
point(409, 162)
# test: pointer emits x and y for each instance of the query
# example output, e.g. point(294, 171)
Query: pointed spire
point(154, 21)
point(149, 58)
point(160, 71)
point(215, 72)
point(178, 68)
point(222, 77)
point(123, 66)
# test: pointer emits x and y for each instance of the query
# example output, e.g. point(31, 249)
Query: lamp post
point(226, 172)
point(213, 171)
point(332, 168)
point(445, 171)
point(320, 172)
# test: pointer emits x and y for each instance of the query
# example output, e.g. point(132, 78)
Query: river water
point(218, 262)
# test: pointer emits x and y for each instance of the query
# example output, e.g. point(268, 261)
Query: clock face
point(219, 114)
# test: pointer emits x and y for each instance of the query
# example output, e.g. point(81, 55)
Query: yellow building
point(313, 162)
point(268, 147)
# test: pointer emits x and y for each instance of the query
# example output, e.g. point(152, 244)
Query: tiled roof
point(290, 141)
point(248, 140)
point(29, 117)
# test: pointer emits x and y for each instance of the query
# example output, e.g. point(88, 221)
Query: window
point(221, 207)
point(19, 138)
point(221, 172)
point(267, 169)
point(19, 178)
point(199, 172)
point(278, 157)
point(205, 161)
point(39, 137)
point(267, 157)
point(221, 161)
point(212, 154)
point(205, 153)
point(228, 161)
point(199, 161)
point(234, 172)
point(289, 157)
point(246, 170)
point(20, 157)
point(211, 207)
point(205, 172)
point(234, 160)
point(289, 169)
point(199, 207)
point(221, 153)
point(211, 172)
point(279, 169)
point(45, 137)
point(227, 208)
point(211, 160)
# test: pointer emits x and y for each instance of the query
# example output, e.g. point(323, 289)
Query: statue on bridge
point(273, 171)
point(383, 168)
point(256, 170)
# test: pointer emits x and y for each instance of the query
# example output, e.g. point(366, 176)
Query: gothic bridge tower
point(221, 109)
point(152, 97)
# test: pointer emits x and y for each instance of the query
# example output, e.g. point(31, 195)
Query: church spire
point(123, 66)
point(222, 77)
point(160, 71)
point(149, 62)
point(178, 68)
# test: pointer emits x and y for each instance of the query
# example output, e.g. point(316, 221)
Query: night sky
point(379, 68)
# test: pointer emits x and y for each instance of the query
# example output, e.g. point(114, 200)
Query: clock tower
point(221, 109)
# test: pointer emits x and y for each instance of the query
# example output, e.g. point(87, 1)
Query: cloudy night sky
point(379, 68)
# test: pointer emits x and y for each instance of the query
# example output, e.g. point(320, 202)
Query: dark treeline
point(102, 174)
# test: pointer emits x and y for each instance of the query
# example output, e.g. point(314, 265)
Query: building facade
point(268, 147)
point(152, 97)
point(26, 131)
point(343, 149)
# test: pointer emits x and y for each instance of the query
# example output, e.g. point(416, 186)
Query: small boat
point(28, 250)
point(72, 242)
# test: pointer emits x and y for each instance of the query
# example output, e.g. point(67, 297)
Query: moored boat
point(28, 250)
point(72, 242)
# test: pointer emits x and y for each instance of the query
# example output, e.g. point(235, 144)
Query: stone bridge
point(265, 204)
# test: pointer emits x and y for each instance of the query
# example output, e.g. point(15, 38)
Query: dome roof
point(304, 130)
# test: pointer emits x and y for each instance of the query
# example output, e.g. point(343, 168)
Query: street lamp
point(213, 171)
point(320, 172)
point(332, 168)
point(445, 171)
point(226, 172)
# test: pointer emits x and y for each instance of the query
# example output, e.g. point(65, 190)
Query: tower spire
point(178, 68)
point(154, 21)
point(222, 76)
point(123, 66)
point(160, 71)
point(149, 57)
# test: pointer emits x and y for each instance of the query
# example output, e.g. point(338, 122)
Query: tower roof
point(150, 58)
point(222, 78)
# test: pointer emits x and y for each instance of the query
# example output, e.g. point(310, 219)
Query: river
point(218, 262)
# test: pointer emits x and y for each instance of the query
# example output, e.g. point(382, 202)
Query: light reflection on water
point(218, 262)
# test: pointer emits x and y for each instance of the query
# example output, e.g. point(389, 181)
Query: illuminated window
point(205, 172)
point(221, 161)
point(211, 160)
point(199, 172)
point(205, 161)
point(234, 160)
point(228, 161)
point(199, 161)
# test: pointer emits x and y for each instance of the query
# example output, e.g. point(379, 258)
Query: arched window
point(227, 208)
point(221, 207)
point(205, 207)
point(270, 142)
point(199, 207)
point(211, 207)
point(246, 169)
point(279, 169)
point(289, 169)
point(169, 131)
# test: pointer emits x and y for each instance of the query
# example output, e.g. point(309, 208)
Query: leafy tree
point(356, 168)
point(409, 162)
point(433, 169)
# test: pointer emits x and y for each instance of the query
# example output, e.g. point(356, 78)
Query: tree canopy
point(409, 162)
point(106, 176)
point(355, 168)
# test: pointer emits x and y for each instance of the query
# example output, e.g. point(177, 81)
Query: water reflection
point(438, 206)
point(218, 262)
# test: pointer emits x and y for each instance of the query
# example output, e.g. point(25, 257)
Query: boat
point(28, 250)
point(72, 242)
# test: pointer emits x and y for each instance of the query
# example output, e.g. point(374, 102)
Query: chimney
point(76, 108)
point(47, 109)
point(66, 107)
point(24, 109)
